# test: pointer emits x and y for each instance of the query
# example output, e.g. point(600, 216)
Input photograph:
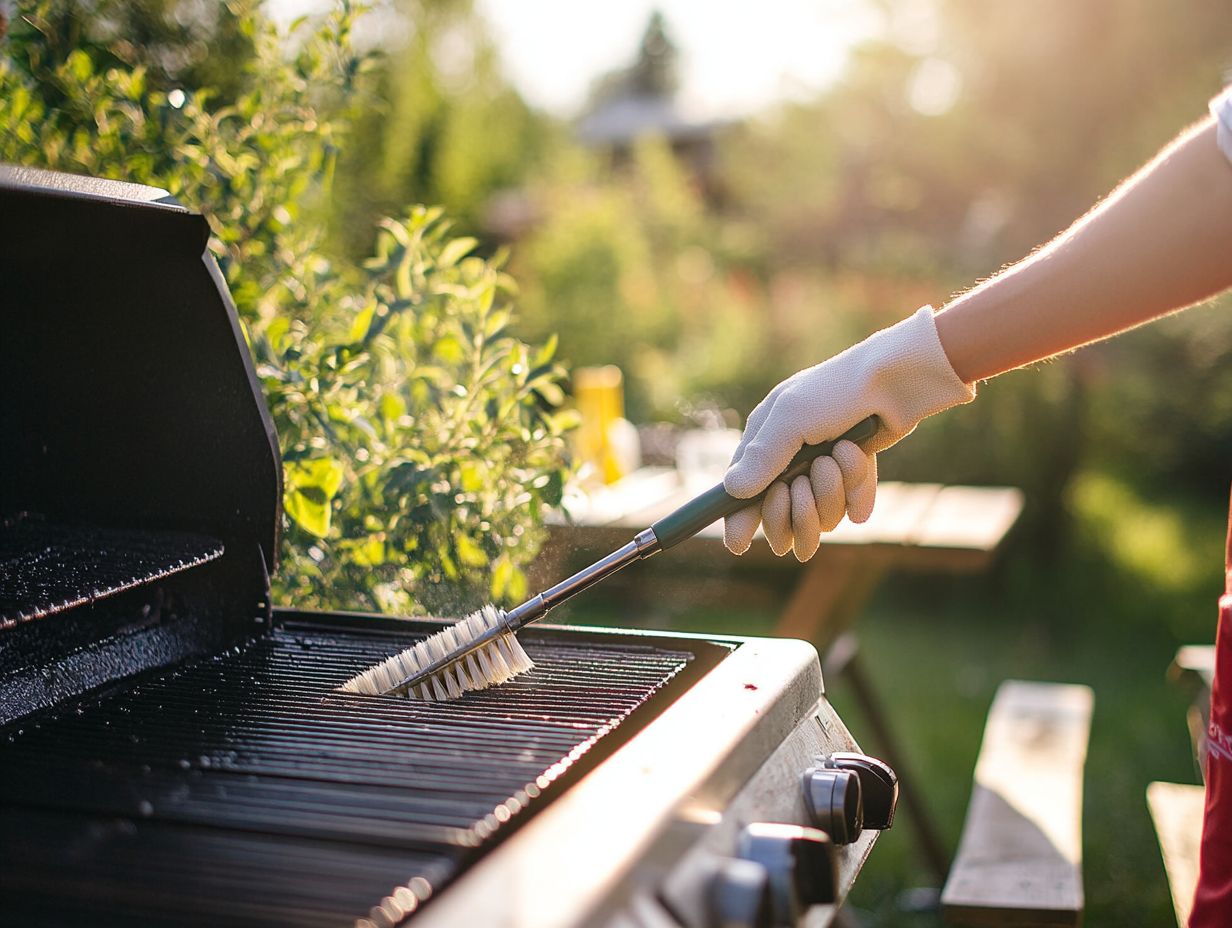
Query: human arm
point(1160, 242)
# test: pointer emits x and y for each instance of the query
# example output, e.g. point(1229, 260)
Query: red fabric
point(1213, 900)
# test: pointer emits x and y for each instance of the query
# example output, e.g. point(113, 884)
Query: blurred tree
point(654, 73)
point(442, 124)
point(962, 145)
point(625, 267)
point(590, 270)
point(1058, 102)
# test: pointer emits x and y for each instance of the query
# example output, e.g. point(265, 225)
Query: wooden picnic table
point(923, 526)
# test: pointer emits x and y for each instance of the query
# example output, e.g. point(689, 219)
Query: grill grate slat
point(244, 788)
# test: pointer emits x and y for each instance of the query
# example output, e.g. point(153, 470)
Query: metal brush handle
point(716, 503)
point(672, 529)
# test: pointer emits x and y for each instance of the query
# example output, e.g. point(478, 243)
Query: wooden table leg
point(832, 592)
point(833, 588)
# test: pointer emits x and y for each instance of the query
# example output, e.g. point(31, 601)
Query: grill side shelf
point(46, 567)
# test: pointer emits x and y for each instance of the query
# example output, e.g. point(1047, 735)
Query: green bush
point(418, 437)
point(624, 266)
point(420, 441)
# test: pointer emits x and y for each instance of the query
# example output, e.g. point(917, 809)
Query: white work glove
point(900, 374)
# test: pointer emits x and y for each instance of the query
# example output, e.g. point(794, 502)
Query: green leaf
point(397, 230)
point(469, 553)
point(554, 492)
point(277, 331)
point(362, 322)
point(310, 487)
point(448, 350)
point(564, 421)
point(455, 251)
point(392, 407)
point(79, 65)
point(486, 297)
point(369, 553)
point(496, 322)
point(547, 352)
point(516, 590)
point(551, 393)
point(323, 473)
point(470, 476)
point(502, 573)
point(402, 275)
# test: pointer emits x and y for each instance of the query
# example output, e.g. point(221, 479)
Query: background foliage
point(419, 438)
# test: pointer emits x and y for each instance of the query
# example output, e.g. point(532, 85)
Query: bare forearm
point(1161, 242)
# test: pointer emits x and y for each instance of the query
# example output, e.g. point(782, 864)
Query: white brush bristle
point(494, 663)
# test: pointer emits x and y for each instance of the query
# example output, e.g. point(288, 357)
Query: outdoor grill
point(173, 749)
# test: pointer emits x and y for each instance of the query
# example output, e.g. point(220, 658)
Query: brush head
point(499, 660)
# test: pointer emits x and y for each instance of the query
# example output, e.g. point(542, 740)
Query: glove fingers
point(776, 518)
point(828, 492)
point(870, 484)
point(805, 526)
point(755, 421)
point(859, 472)
point(764, 458)
point(740, 527)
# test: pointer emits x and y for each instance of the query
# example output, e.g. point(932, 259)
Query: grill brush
point(482, 650)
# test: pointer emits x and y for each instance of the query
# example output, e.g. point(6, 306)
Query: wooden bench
point(1193, 669)
point(1176, 809)
point(1019, 860)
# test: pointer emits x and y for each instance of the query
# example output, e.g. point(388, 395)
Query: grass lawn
point(1105, 614)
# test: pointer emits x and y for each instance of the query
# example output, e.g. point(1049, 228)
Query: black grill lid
point(139, 470)
point(127, 396)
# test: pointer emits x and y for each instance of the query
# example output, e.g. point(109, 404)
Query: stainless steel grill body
point(638, 842)
point(173, 749)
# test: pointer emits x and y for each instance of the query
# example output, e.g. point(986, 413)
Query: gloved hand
point(900, 374)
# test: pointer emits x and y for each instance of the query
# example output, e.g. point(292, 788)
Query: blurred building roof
point(620, 120)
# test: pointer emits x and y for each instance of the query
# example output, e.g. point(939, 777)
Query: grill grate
point(46, 567)
point(243, 789)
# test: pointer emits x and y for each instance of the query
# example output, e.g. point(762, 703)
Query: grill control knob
point(878, 785)
point(800, 863)
point(834, 802)
point(740, 895)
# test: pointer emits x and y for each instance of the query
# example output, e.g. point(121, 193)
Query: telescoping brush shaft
point(481, 647)
point(482, 650)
